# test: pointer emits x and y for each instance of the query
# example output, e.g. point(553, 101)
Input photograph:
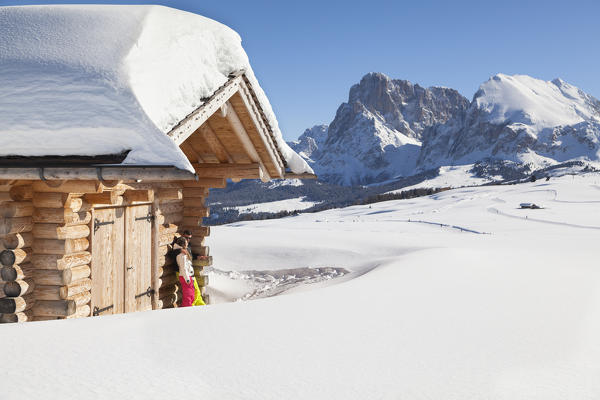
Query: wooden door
point(138, 258)
point(108, 261)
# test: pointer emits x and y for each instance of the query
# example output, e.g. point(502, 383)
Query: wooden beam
point(188, 126)
point(242, 135)
point(210, 137)
point(243, 171)
point(290, 175)
point(188, 150)
point(108, 173)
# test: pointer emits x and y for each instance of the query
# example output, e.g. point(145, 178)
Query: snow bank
point(91, 79)
point(445, 315)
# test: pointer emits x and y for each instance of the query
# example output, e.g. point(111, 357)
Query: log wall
point(45, 236)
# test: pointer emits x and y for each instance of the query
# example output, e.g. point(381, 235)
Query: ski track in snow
point(494, 210)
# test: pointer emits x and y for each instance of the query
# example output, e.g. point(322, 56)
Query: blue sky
point(307, 54)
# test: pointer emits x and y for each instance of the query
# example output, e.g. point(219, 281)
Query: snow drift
point(99, 79)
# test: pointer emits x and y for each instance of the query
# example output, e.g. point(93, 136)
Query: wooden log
point(58, 200)
point(82, 186)
point(17, 272)
point(226, 170)
point(174, 218)
point(58, 231)
point(61, 261)
point(5, 196)
point(202, 261)
point(64, 277)
point(168, 228)
point(75, 288)
point(200, 231)
point(47, 292)
point(201, 251)
point(21, 193)
point(60, 247)
point(64, 216)
point(168, 280)
point(196, 212)
point(17, 240)
point(11, 305)
point(191, 221)
point(104, 198)
point(195, 192)
point(169, 300)
point(11, 209)
point(16, 256)
point(202, 280)
point(170, 194)
point(82, 311)
point(170, 208)
point(197, 241)
point(81, 299)
point(139, 196)
point(206, 183)
point(9, 226)
point(163, 250)
point(194, 202)
point(206, 298)
point(166, 291)
point(19, 288)
point(167, 270)
point(166, 239)
point(16, 317)
point(54, 308)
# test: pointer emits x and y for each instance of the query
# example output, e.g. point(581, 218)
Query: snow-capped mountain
point(377, 134)
point(520, 119)
point(310, 141)
point(390, 128)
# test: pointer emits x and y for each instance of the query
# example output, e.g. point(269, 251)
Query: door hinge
point(148, 293)
point(98, 224)
point(97, 310)
point(149, 218)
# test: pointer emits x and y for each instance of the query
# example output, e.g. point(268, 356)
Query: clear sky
point(307, 54)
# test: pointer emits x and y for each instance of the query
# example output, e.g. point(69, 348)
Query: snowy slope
point(275, 206)
point(438, 312)
point(103, 79)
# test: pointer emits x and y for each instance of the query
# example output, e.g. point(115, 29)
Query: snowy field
point(460, 295)
point(299, 203)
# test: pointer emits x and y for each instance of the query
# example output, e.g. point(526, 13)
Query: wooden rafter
point(191, 153)
point(193, 121)
point(215, 144)
point(242, 135)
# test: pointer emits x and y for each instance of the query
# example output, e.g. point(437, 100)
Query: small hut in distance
point(109, 155)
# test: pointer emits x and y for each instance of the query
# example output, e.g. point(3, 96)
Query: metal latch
point(98, 224)
point(148, 218)
point(148, 293)
point(97, 310)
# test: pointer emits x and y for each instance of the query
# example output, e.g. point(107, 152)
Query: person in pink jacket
point(186, 271)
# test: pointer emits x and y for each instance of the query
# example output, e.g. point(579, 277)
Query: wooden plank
point(191, 153)
point(189, 125)
point(243, 171)
point(108, 261)
point(199, 145)
point(138, 258)
point(222, 129)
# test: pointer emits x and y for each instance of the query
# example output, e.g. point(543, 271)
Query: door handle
point(128, 268)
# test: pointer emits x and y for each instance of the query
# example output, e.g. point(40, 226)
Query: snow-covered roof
point(102, 79)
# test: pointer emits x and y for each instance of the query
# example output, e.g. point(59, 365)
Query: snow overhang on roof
point(89, 80)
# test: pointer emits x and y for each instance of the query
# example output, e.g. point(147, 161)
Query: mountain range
point(392, 135)
point(392, 128)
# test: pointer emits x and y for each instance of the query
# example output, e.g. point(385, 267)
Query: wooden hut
point(86, 235)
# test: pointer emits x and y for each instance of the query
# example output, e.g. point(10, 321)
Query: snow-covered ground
point(299, 203)
point(460, 295)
